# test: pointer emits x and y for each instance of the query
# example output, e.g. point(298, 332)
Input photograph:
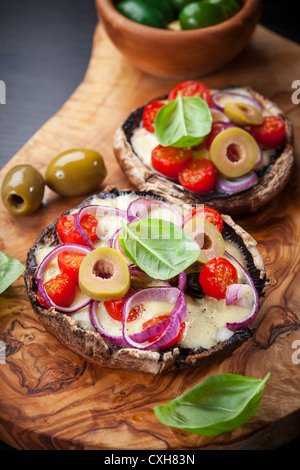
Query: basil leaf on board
point(220, 403)
point(183, 122)
point(159, 247)
point(10, 270)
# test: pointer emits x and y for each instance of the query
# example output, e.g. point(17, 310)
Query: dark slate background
point(44, 52)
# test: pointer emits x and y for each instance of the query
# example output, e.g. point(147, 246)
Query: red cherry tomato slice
point(216, 276)
point(60, 289)
point(209, 214)
point(66, 229)
point(191, 88)
point(150, 113)
point(115, 307)
point(198, 176)
point(160, 318)
point(69, 263)
point(170, 160)
point(271, 133)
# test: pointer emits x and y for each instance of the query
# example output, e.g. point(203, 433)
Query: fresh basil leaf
point(183, 122)
point(10, 270)
point(220, 403)
point(159, 247)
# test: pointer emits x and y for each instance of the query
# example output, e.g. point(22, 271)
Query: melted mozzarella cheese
point(206, 322)
point(143, 142)
point(82, 317)
point(107, 226)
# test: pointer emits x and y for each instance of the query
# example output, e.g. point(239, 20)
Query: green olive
point(22, 190)
point(179, 4)
point(200, 15)
point(229, 7)
point(207, 236)
point(243, 114)
point(141, 12)
point(234, 152)
point(104, 274)
point(75, 172)
point(165, 7)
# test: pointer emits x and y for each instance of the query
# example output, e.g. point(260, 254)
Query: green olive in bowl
point(22, 190)
point(75, 172)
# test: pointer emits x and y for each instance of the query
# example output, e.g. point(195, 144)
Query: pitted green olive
point(234, 152)
point(243, 114)
point(22, 190)
point(75, 172)
point(104, 274)
point(207, 236)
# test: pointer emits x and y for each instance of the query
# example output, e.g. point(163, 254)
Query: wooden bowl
point(181, 54)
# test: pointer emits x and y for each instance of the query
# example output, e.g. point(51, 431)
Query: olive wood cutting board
point(52, 399)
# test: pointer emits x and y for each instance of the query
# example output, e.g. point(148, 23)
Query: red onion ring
point(114, 243)
point(141, 209)
point(247, 98)
point(225, 124)
point(236, 185)
point(94, 209)
point(69, 247)
point(218, 115)
point(236, 325)
point(182, 281)
point(178, 314)
point(236, 294)
point(98, 328)
point(232, 293)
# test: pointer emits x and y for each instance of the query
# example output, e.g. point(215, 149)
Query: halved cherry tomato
point(115, 307)
point(69, 263)
point(60, 289)
point(170, 160)
point(271, 133)
point(150, 113)
point(191, 88)
point(216, 276)
point(198, 176)
point(209, 214)
point(160, 318)
point(67, 233)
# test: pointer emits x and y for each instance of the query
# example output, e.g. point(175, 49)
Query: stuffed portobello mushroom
point(130, 280)
point(230, 148)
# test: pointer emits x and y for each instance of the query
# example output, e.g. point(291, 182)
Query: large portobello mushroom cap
point(93, 348)
point(272, 179)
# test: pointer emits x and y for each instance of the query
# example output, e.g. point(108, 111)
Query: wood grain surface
point(52, 399)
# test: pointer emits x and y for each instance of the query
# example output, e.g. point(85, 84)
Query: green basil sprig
point(184, 122)
point(160, 248)
point(10, 270)
point(220, 403)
